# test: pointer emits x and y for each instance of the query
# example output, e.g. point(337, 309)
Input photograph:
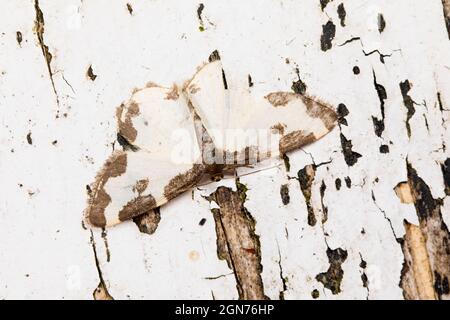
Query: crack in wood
point(382, 95)
point(408, 102)
point(446, 10)
point(39, 25)
point(101, 292)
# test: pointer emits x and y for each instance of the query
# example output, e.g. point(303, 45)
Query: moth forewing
point(209, 98)
point(165, 160)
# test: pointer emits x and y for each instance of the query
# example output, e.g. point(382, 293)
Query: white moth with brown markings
point(173, 137)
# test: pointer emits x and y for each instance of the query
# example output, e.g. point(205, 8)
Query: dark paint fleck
point(350, 156)
point(130, 8)
point(284, 192)
point(426, 205)
point(333, 277)
point(90, 73)
point(287, 164)
point(29, 139)
point(250, 81)
point(342, 112)
point(323, 187)
point(298, 86)
point(328, 33)
point(378, 124)
point(348, 182)
point(323, 3)
point(200, 8)
point(445, 167)
point(356, 70)
point(224, 80)
point(408, 102)
point(441, 285)
point(384, 148)
point(306, 178)
point(19, 37)
point(381, 23)
point(341, 13)
point(338, 184)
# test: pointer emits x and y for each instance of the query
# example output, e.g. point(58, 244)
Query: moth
point(172, 138)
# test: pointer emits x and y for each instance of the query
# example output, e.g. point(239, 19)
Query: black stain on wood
point(445, 167)
point(342, 112)
point(287, 163)
point(250, 81)
point(426, 205)
point(328, 33)
point(441, 285)
point(306, 178)
point(348, 182)
point(90, 73)
point(200, 8)
point(332, 279)
point(384, 148)
point(323, 3)
point(130, 9)
point(378, 124)
point(381, 23)
point(298, 86)
point(225, 84)
point(323, 187)
point(284, 192)
point(350, 156)
point(441, 106)
point(341, 14)
point(405, 86)
point(29, 139)
point(19, 37)
point(104, 236)
point(364, 279)
point(338, 184)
